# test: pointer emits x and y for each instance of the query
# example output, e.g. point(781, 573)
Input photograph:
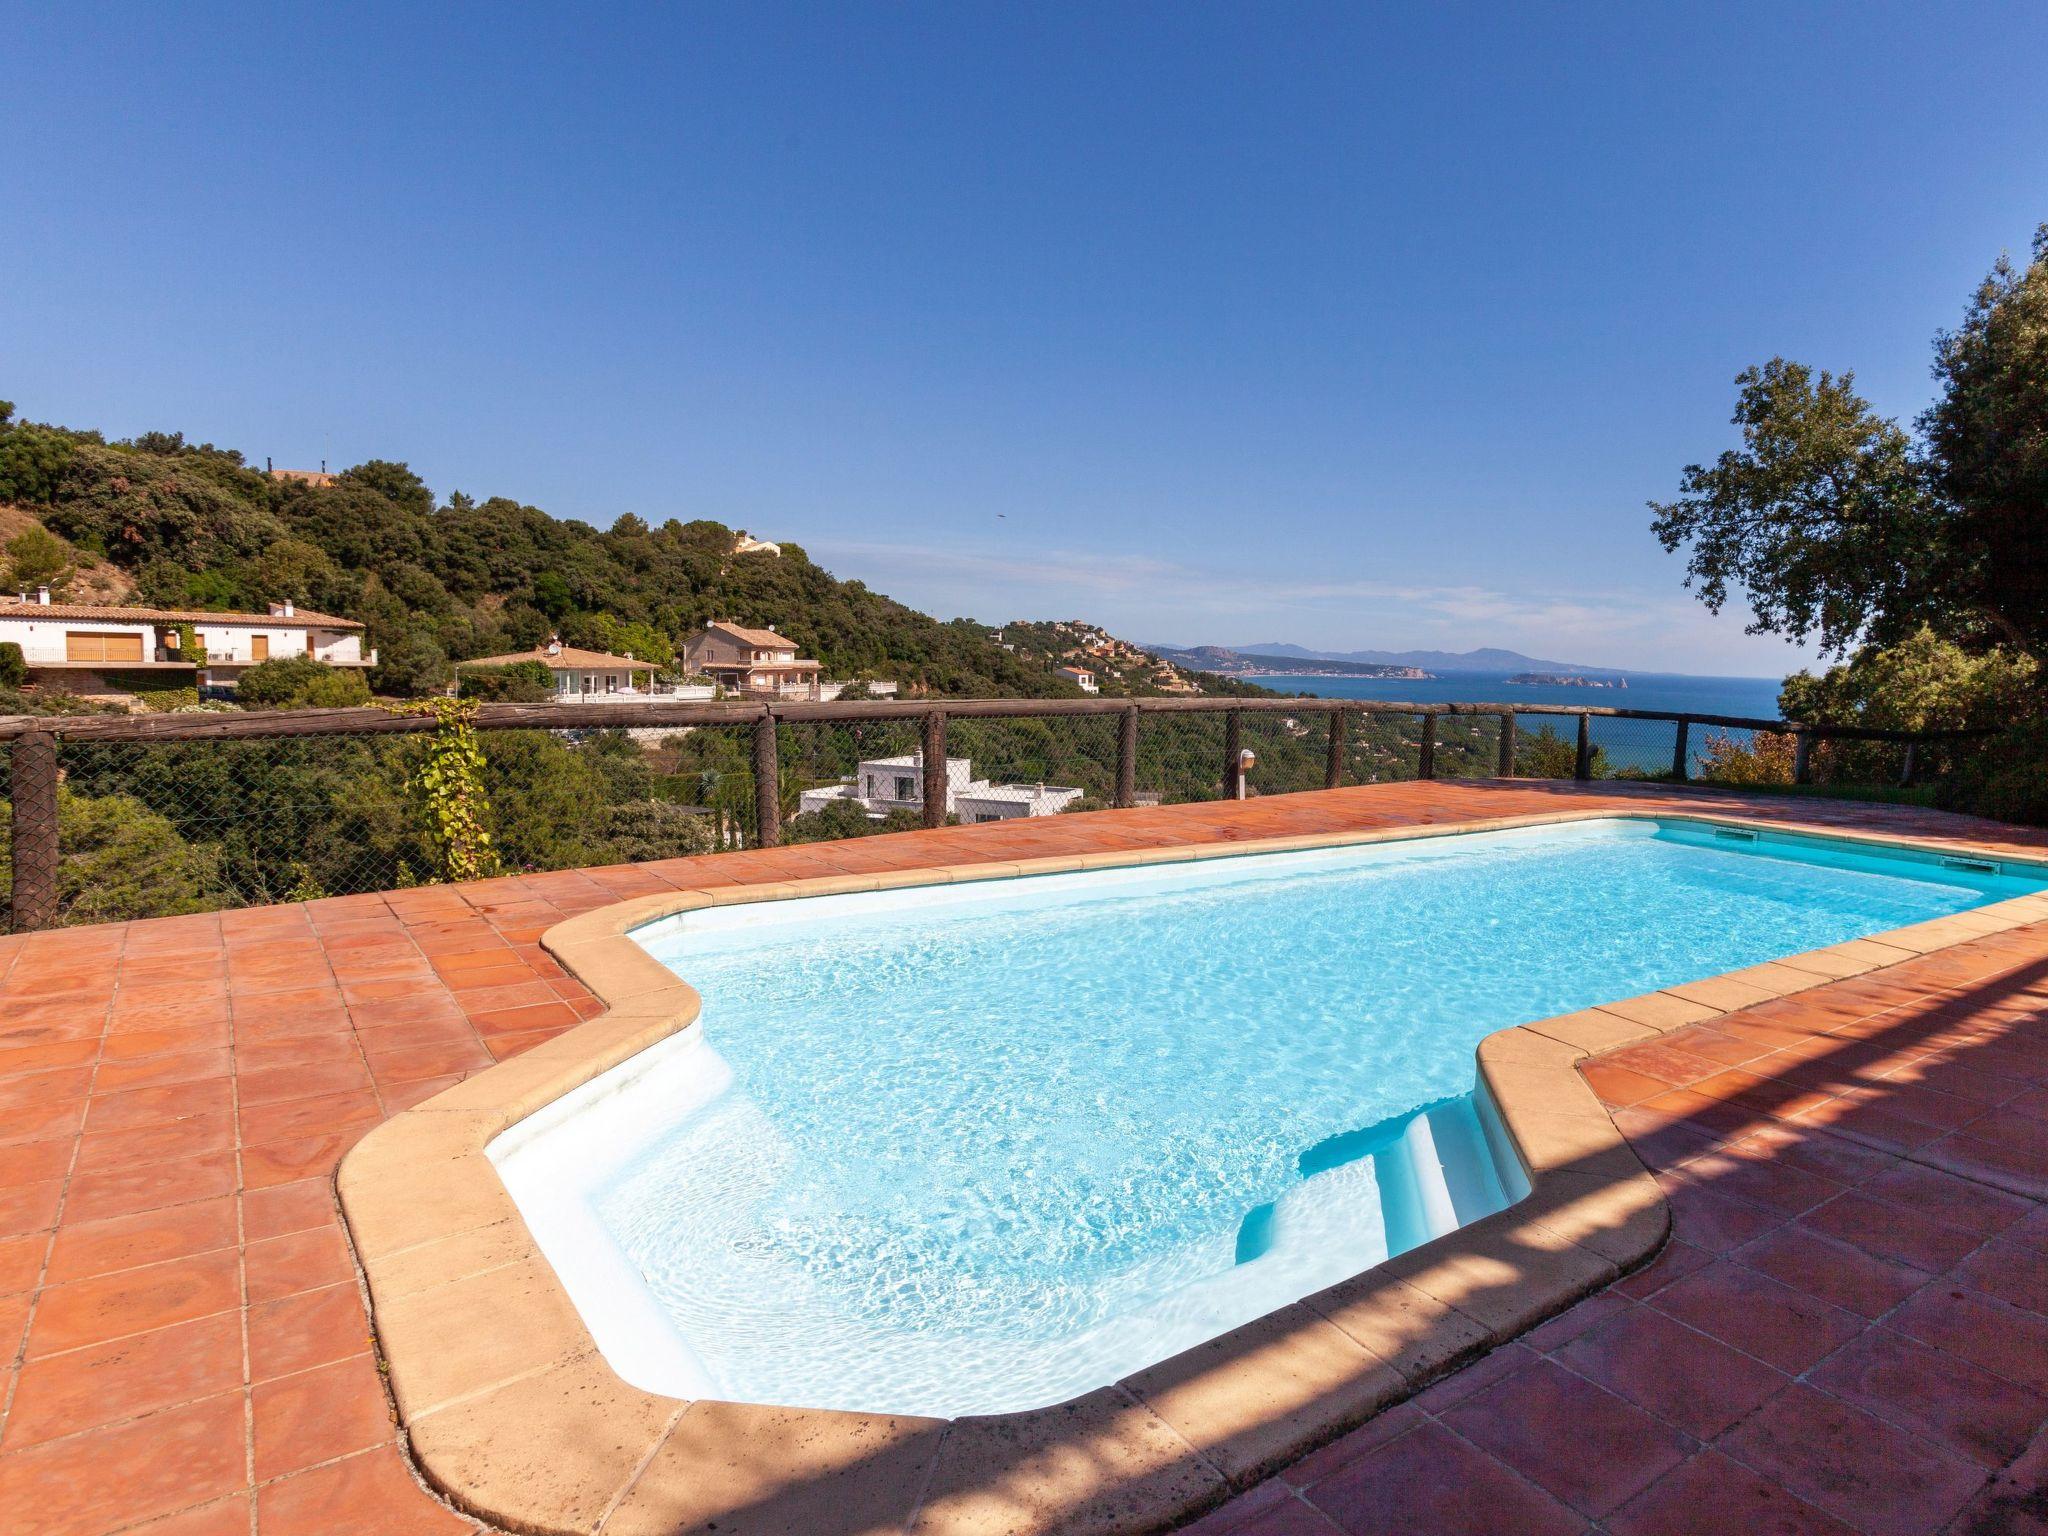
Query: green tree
point(33, 458)
point(13, 665)
point(1924, 683)
point(300, 682)
point(36, 557)
point(1840, 525)
point(119, 860)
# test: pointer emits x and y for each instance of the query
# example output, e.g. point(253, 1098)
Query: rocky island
point(1565, 680)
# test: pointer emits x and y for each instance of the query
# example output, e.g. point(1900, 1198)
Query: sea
point(1644, 746)
point(1755, 698)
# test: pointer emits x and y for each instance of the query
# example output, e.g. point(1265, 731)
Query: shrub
point(1547, 755)
point(1765, 759)
point(13, 666)
point(638, 830)
point(300, 682)
point(119, 860)
point(520, 682)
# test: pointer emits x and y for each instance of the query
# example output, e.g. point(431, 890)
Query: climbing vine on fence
point(449, 783)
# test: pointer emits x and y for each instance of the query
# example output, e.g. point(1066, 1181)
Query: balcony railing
point(259, 807)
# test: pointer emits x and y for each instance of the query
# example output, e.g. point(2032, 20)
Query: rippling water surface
point(992, 1155)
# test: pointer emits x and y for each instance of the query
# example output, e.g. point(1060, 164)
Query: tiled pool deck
point(1849, 1330)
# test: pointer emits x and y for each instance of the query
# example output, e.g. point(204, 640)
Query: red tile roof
point(15, 608)
point(564, 656)
point(767, 639)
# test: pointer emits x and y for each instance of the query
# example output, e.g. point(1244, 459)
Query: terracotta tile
point(2015, 1274)
point(1978, 1328)
point(1890, 1231)
point(1576, 1320)
point(224, 1517)
point(35, 1162)
point(149, 1187)
point(282, 1208)
point(1677, 1260)
point(1707, 1221)
point(157, 1071)
point(1680, 1375)
point(1584, 1445)
point(1431, 1481)
point(304, 1081)
point(166, 1041)
point(21, 1262)
point(1876, 1477)
point(368, 1494)
point(129, 1301)
point(1955, 1404)
point(1619, 1087)
point(1480, 1374)
point(89, 1483)
point(30, 1207)
point(308, 1329)
point(290, 1053)
point(140, 1107)
point(1735, 1174)
point(105, 1383)
point(403, 1096)
point(1778, 1325)
point(288, 1162)
point(1834, 1272)
point(434, 1058)
point(299, 1261)
point(1713, 1496)
point(1319, 1466)
point(86, 1248)
point(1970, 1207)
point(104, 1151)
point(294, 1118)
point(318, 1415)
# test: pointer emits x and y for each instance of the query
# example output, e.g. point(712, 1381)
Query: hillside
point(1229, 663)
point(1484, 659)
point(1122, 670)
point(162, 521)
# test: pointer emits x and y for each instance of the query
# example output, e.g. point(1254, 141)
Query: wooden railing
point(32, 743)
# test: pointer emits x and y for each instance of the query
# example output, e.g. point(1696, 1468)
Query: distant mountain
point(1485, 659)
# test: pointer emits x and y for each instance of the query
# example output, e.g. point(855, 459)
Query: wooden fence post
point(1582, 767)
point(1426, 765)
point(1507, 746)
point(1802, 757)
point(1681, 754)
point(934, 753)
point(1233, 744)
point(1127, 759)
point(1333, 765)
point(35, 850)
point(767, 785)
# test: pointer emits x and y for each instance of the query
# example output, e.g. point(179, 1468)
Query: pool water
point(984, 1147)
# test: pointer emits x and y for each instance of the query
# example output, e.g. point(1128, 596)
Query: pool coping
point(520, 1420)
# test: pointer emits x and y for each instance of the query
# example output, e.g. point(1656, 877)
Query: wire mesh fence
point(144, 827)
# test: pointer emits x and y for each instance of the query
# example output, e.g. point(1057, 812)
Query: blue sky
point(1347, 325)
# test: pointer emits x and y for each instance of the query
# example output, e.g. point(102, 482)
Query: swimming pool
point(975, 1148)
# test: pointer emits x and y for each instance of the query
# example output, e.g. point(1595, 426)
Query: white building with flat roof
point(884, 784)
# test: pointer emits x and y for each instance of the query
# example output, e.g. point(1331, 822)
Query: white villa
point(885, 784)
point(90, 648)
point(1080, 677)
point(593, 676)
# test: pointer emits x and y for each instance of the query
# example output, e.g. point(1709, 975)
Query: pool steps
point(1435, 1169)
